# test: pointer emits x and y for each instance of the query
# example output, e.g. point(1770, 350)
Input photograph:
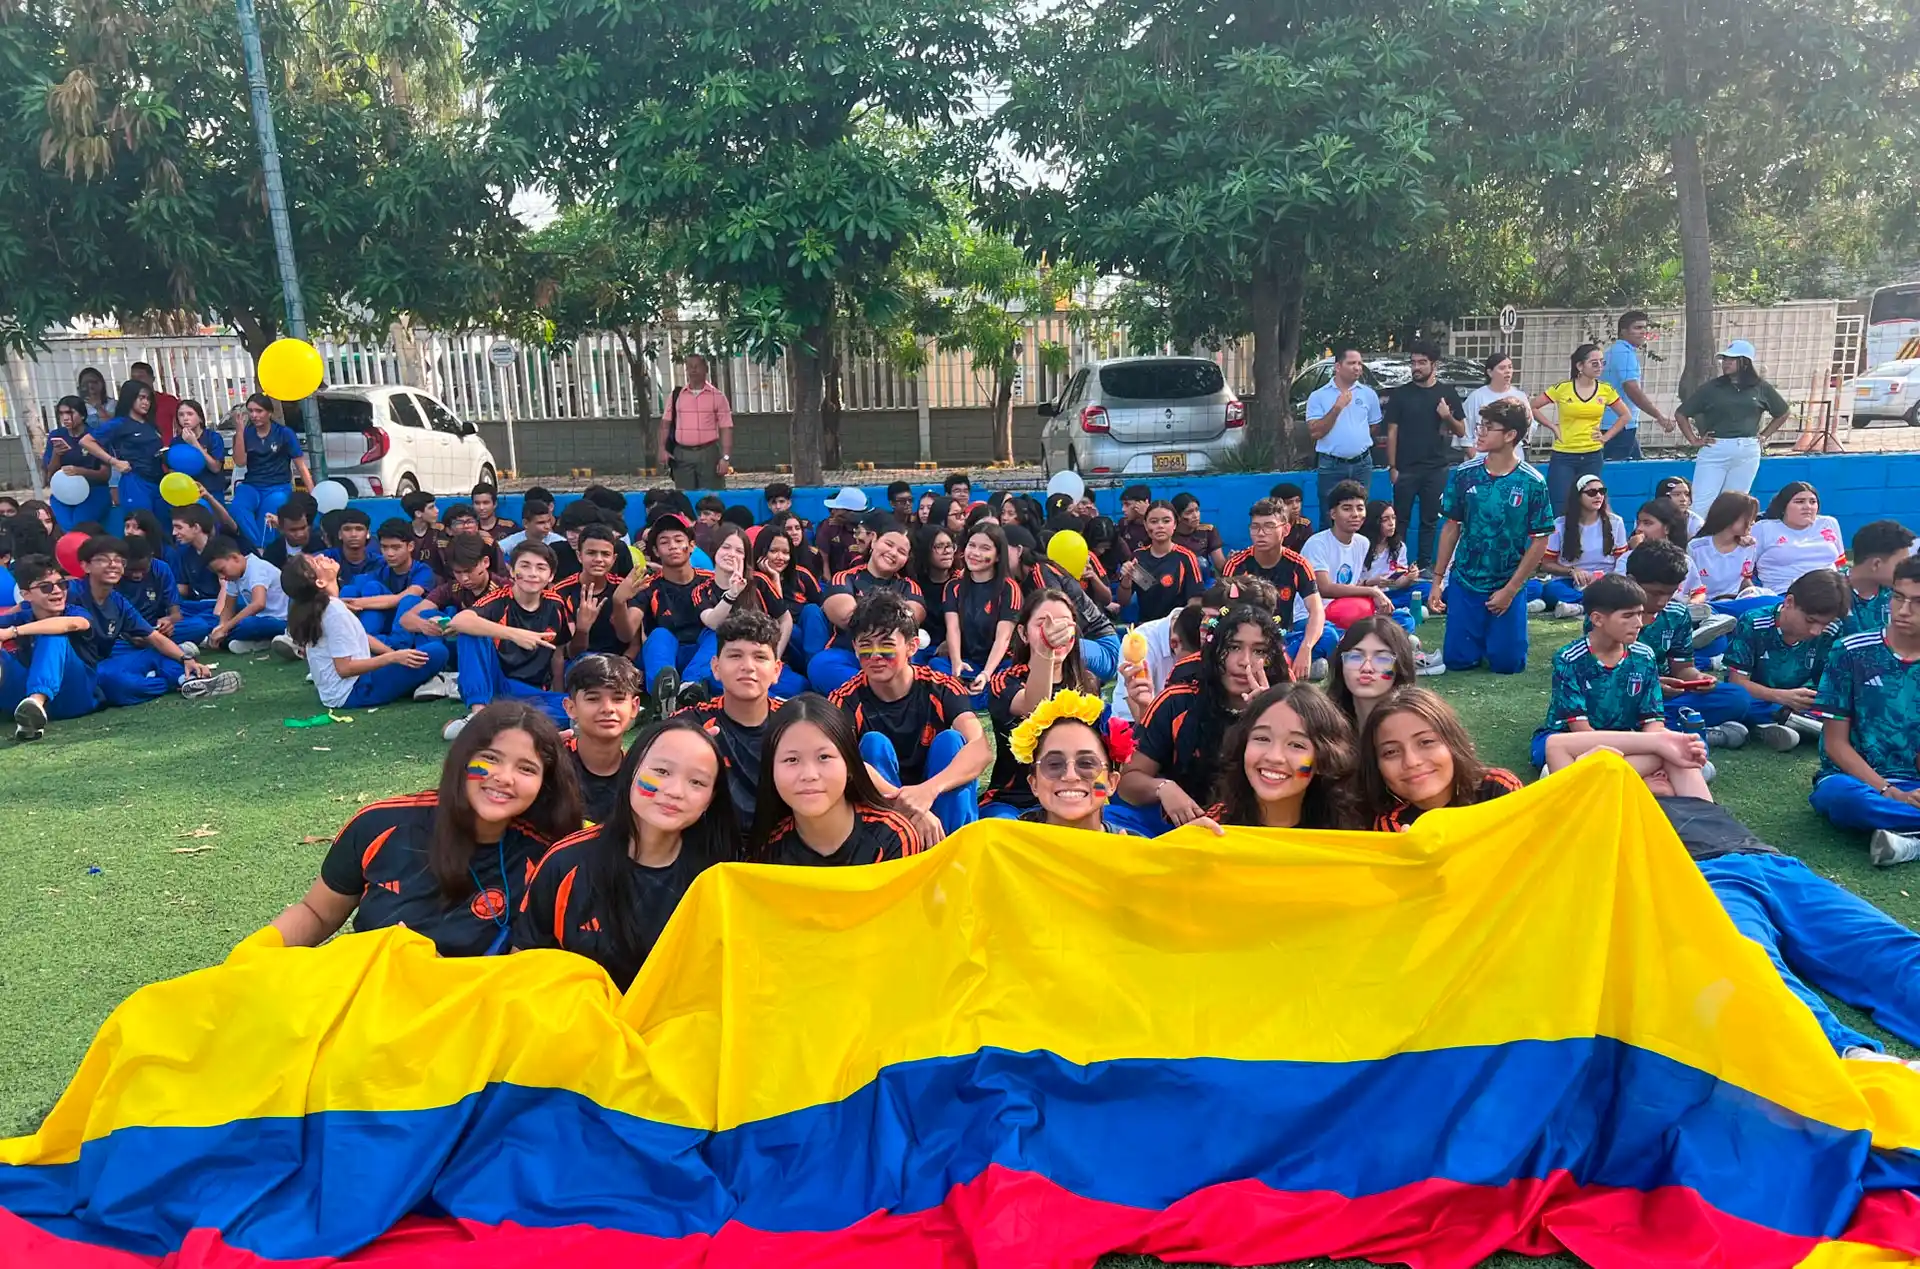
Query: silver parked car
point(1888, 393)
point(1142, 416)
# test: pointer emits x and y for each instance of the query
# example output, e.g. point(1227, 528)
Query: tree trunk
point(26, 418)
point(1003, 414)
point(806, 379)
point(255, 331)
point(831, 403)
point(633, 345)
point(1276, 302)
point(1696, 240)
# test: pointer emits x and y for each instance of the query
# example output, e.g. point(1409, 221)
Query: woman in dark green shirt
point(1727, 411)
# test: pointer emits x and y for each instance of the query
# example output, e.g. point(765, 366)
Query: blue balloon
point(185, 459)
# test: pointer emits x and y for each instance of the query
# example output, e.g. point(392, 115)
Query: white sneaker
point(241, 647)
point(1428, 664)
point(1887, 848)
point(29, 720)
point(1564, 612)
point(1727, 735)
point(1700, 610)
point(442, 686)
point(452, 730)
point(1712, 628)
point(1860, 1054)
point(190, 650)
point(1776, 736)
point(225, 683)
point(1806, 726)
point(1536, 606)
point(284, 648)
point(1318, 670)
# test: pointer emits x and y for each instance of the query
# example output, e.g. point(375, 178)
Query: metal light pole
point(277, 214)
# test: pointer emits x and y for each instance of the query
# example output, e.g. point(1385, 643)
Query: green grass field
point(141, 844)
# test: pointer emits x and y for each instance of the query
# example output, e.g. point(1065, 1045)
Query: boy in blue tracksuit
point(1776, 656)
point(199, 585)
point(1869, 703)
point(149, 585)
point(42, 675)
point(271, 454)
point(1498, 515)
point(352, 531)
point(1607, 680)
point(398, 583)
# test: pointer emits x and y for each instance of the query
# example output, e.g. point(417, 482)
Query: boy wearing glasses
point(1869, 703)
point(918, 732)
point(1498, 516)
point(42, 674)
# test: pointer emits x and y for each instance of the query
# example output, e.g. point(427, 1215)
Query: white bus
point(1893, 324)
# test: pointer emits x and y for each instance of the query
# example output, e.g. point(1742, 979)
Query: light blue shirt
point(1352, 433)
point(1623, 367)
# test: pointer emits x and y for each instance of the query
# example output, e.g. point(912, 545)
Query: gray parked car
point(1142, 416)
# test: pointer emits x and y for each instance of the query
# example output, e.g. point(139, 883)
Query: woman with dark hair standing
point(1499, 386)
point(1287, 763)
point(1730, 435)
point(64, 453)
point(192, 429)
point(270, 452)
point(450, 863)
point(91, 386)
point(606, 892)
point(819, 805)
point(130, 443)
point(1581, 405)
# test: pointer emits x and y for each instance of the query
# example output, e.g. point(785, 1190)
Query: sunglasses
point(1055, 765)
point(1591, 490)
point(48, 588)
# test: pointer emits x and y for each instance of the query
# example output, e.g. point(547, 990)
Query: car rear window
point(1161, 380)
point(345, 414)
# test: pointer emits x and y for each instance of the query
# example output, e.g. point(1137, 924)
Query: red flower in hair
point(1119, 740)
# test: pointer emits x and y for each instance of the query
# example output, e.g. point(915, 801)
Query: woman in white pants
point(1728, 411)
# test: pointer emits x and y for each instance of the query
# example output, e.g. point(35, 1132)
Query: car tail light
point(1236, 414)
point(378, 443)
point(377, 490)
point(1895, 388)
point(1101, 471)
point(1094, 419)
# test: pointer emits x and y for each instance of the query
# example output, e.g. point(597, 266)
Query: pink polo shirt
point(699, 416)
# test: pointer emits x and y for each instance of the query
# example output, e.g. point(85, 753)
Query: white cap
point(1738, 348)
point(848, 499)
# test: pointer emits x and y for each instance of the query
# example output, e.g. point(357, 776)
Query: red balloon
point(67, 552)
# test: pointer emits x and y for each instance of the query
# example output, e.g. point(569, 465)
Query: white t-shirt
point(1786, 554)
point(1159, 636)
point(1716, 574)
point(1478, 399)
point(1343, 563)
point(260, 573)
point(1592, 554)
point(1390, 560)
point(341, 635)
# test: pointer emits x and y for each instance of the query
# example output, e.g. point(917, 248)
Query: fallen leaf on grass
point(192, 850)
point(205, 830)
point(310, 840)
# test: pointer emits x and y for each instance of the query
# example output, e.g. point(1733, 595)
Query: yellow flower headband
point(1064, 704)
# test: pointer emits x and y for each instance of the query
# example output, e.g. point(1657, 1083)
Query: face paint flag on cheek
point(646, 785)
point(1304, 767)
point(1101, 791)
point(479, 769)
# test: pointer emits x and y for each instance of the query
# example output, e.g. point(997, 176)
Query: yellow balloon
point(179, 489)
point(1069, 550)
point(290, 369)
point(639, 556)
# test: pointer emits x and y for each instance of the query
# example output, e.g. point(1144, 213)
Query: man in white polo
point(1341, 416)
point(696, 436)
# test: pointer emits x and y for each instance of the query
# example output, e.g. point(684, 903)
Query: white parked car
point(389, 441)
point(1888, 393)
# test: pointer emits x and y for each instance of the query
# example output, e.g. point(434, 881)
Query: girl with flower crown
point(1071, 764)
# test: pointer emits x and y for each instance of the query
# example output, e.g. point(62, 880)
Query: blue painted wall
point(1854, 488)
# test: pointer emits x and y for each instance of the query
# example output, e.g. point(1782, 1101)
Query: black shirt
point(1008, 783)
point(1497, 783)
point(878, 834)
point(675, 606)
point(1424, 441)
point(1092, 619)
point(1291, 575)
point(740, 747)
point(1708, 830)
point(910, 723)
point(981, 606)
point(532, 666)
point(1175, 580)
point(861, 582)
point(1170, 735)
point(601, 637)
point(562, 908)
point(781, 595)
point(381, 856)
point(599, 794)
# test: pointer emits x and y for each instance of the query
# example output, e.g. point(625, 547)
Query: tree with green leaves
point(788, 149)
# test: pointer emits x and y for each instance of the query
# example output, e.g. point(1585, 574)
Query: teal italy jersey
point(1879, 694)
point(1867, 616)
point(1618, 697)
point(1757, 649)
point(1499, 517)
point(1670, 635)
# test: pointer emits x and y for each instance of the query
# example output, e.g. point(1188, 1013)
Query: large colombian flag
point(1526, 1025)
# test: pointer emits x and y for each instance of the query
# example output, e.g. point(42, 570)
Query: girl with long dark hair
point(818, 805)
point(130, 442)
point(350, 668)
point(91, 387)
point(1045, 659)
point(934, 563)
point(1658, 520)
point(192, 428)
point(1793, 538)
point(1679, 491)
point(1723, 555)
point(451, 863)
point(1374, 657)
point(1585, 545)
point(790, 594)
point(980, 603)
point(270, 452)
point(606, 892)
point(1385, 564)
point(1416, 756)
point(1288, 762)
point(1579, 426)
point(65, 454)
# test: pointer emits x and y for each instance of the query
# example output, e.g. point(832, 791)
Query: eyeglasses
point(1086, 766)
point(1900, 599)
point(1378, 660)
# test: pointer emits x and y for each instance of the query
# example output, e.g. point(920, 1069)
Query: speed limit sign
point(1509, 320)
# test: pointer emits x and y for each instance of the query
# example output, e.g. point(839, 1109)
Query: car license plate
point(1863, 390)
point(1169, 462)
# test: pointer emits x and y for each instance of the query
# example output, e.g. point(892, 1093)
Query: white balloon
point(330, 495)
point(1068, 483)
point(69, 489)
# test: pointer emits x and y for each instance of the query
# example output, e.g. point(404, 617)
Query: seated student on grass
point(1287, 762)
point(1660, 569)
point(883, 572)
point(1031, 570)
point(1196, 535)
point(253, 607)
point(1723, 557)
point(1657, 520)
point(399, 581)
point(1170, 777)
point(297, 531)
point(1876, 550)
point(730, 590)
point(603, 700)
point(43, 674)
point(668, 608)
point(512, 643)
point(540, 526)
point(1387, 560)
point(1375, 656)
point(821, 806)
point(1161, 576)
point(606, 892)
point(485, 501)
point(1296, 528)
point(451, 863)
point(917, 727)
point(458, 521)
point(471, 578)
point(1869, 702)
point(149, 586)
point(1792, 537)
point(1776, 656)
point(1820, 936)
point(353, 532)
point(1046, 659)
point(1338, 555)
point(747, 669)
point(1606, 680)
point(1416, 756)
point(594, 594)
point(790, 595)
point(1065, 752)
point(1586, 544)
point(423, 528)
point(199, 585)
point(1497, 520)
point(980, 604)
point(1295, 590)
point(348, 666)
